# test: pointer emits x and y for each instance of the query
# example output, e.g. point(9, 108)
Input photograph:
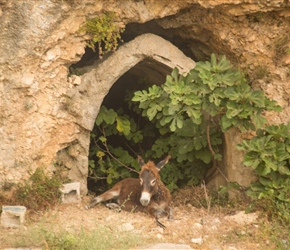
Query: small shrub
point(260, 72)
point(104, 31)
point(268, 153)
point(40, 192)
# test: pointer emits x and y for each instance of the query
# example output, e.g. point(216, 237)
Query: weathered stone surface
point(12, 216)
point(46, 116)
point(71, 192)
point(102, 76)
point(242, 218)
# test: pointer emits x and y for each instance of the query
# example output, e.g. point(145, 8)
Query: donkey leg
point(112, 193)
point(169, 213)
point(157, 216)
point(156, 213)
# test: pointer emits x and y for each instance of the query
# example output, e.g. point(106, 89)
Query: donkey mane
point(150, 166)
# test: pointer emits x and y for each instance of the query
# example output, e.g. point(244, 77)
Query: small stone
point(198, 241)
point(12, 216)
point(198, 226)
point(159, 236)
point(242, 218)
point(127, 227)
point(76, 80)
point(216, 221)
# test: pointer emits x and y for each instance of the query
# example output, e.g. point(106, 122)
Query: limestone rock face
point(46, 115)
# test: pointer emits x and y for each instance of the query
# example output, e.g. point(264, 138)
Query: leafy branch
point(107, 151)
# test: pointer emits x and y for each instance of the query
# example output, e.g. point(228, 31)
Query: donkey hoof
point(86, 207)
point(160, 224)
point(114, 206)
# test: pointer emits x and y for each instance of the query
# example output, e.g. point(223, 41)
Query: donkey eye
point(153, 182)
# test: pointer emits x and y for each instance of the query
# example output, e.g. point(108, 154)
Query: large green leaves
point(187, 116)
point(268, 153)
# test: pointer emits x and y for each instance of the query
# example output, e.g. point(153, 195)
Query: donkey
point(148, 194)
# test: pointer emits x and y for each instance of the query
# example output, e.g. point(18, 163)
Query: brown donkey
point(148, 194)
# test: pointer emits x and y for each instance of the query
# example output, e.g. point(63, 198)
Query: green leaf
point(204, 155)
point(213, 60)
point(102, 139)
point(153, 110)
point(257, 97)
point(223, 64)
point(179, 122)
point(251, 159)
point(175, 74)
point(284, 170)
point(226, 123)
point(232, 93)
point(173, 125)
point(233, 112)
point(193, 113)
point(123, 125)
point(203, 67)
point(105, 115)
point(258, 120)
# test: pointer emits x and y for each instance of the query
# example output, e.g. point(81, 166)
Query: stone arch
point(100, 77)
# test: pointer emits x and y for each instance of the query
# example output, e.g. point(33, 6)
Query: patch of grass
point(282, 47)
point(260, 72)
point(263, 235)
point(99, 238)
point(274, 234)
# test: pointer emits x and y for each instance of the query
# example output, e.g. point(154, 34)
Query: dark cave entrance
point(141, 76)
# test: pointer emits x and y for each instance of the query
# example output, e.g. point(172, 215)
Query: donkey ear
point(141, 161)
point(163, 162)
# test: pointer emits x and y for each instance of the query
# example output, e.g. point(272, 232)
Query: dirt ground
point(200, 228)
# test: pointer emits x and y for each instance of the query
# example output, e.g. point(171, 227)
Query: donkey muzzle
point(145, 199)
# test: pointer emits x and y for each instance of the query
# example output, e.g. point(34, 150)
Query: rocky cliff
point(46, 115)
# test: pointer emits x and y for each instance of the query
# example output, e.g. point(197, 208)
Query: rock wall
point(42, 111)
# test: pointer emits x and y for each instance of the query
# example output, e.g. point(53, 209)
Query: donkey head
point(149, 178)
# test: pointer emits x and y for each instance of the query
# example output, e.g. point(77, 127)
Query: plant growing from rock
point(104, 31)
